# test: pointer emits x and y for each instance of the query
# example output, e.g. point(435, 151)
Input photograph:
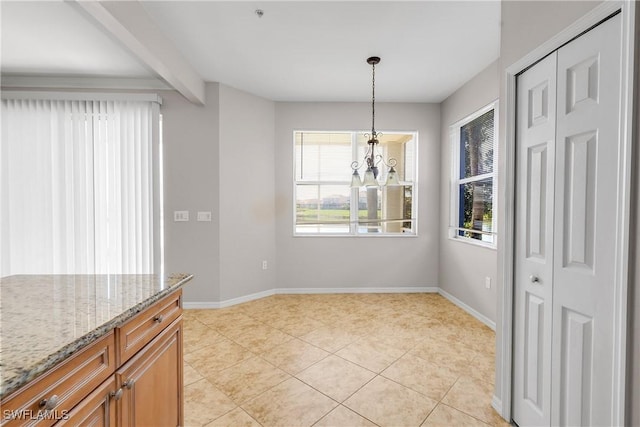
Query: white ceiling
point(53, 38)
point(298, 51)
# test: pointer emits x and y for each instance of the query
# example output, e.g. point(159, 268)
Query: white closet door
point(536, 132)
point(585, 226)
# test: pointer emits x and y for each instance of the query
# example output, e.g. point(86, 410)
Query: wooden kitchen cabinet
point(130, 377)
point(97, 410)
point(50, 397)
point(152, 383)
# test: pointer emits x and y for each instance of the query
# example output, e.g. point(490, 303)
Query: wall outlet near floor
point(180, 216)
point(265, 265)
point(487, 282)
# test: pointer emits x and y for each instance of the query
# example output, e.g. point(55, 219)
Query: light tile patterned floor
point(338, 360)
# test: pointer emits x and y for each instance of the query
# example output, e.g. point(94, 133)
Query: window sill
point(359, 236)
point(474, 242)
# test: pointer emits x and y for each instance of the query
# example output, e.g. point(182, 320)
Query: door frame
point(502, 401)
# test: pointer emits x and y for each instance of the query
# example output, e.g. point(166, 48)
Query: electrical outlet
point(204, 216)
point(180, 216)
point(487, 282)
point(264, 265)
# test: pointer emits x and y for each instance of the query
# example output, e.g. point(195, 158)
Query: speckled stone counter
point(46, 318)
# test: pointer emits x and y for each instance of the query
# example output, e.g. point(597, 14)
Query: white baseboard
point(481, 317)
point(228, 302)
point(496, 403)
point(309, 291)
point(247, 298)
point(385, 290)
point(200, 305)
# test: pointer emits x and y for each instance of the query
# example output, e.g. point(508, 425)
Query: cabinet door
point(97, 409)
point(152, 382)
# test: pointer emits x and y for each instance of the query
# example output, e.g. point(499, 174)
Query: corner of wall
point(465, 284)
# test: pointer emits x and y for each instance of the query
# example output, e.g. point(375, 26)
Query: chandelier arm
point(391, 163)
point(355, 165)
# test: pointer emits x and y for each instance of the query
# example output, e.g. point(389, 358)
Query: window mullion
point(355, 192)
point(476, 178)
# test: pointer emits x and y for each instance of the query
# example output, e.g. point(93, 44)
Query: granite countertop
point(46, 318)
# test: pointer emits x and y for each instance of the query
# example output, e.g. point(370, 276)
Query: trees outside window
point(473, 177)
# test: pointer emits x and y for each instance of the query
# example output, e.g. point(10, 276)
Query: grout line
point(470, 415)
point(296, 307)
point(429, 414)
point(454, 383)
point(359, 414)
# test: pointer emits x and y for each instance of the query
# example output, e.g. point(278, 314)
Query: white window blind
point(473, 177)
point(79, 186)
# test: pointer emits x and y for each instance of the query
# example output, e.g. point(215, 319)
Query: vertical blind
point(77, 186)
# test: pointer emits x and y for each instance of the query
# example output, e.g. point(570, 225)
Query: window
point(80, 184)
point(473, 177)
point(325, 204)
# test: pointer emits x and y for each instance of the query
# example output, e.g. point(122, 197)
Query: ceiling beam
point(129, 23)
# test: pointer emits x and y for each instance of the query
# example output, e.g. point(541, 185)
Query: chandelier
point(372, 157)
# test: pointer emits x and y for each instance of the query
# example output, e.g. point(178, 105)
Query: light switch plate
point(204, 216)
point(180, 216)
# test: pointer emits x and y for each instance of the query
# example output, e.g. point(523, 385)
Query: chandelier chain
point(373, 101)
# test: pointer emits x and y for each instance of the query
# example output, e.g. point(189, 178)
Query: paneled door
point(536, 124)
point(566, 213)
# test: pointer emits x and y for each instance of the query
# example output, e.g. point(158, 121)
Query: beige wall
point(246, 188)
point(357, 262)
point(190, 142)
point(220, 158)
point(463, 266)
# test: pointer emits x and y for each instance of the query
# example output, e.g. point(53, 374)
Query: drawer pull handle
point(534, 279)
point(128, 384)
point(116, 394)
point(159, 318)
point(50, 403)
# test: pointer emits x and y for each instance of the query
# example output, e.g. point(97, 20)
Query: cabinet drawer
point(62, 387)
point(142, 328)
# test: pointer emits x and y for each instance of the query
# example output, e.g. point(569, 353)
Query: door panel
point(575, 384)
point(533, 351)
point(534, 244)
point(536, 223)
point(579, 176)
point(585, 226)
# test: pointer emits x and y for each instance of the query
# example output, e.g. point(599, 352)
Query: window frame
point(456, 181)
point(354, 192)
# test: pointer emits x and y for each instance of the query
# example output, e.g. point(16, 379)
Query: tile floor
point(338, 360)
